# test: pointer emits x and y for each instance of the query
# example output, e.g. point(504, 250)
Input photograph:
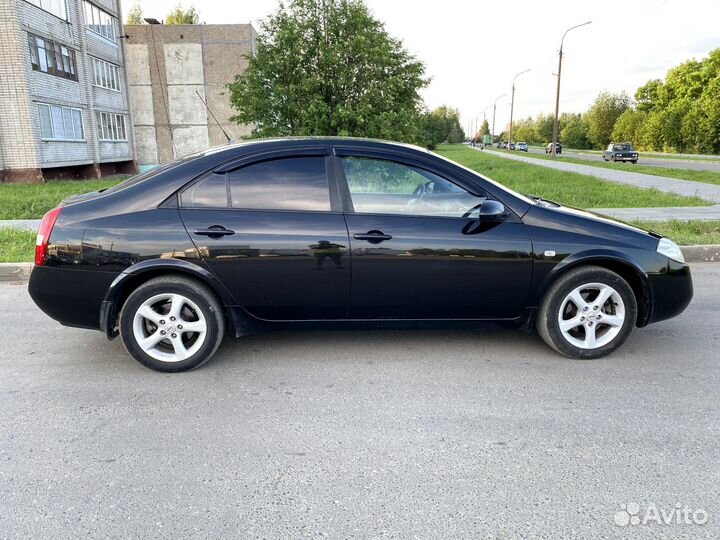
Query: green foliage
point(628, 127)
point(440, 125)
point(31, 201)
point(16, 245)
point(484, 129)
point(328, 67)
point(574, 132)
point(183, 16)
point(602, 116)
point(135, 15)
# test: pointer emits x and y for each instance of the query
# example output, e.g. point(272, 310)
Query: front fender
point(620, 262)
point(138, 273)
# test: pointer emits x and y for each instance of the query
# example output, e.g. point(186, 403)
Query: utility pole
point(494, 111)
point(512, 105)
point(556, 120)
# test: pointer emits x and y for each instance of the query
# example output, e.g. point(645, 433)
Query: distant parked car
point(620, 152)
point(522, 146)
point(558, 149)
point(502, 144)
point(512, 146)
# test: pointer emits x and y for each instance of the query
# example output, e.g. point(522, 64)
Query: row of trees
point(328, 67)
point(679, 114)
point(177, 16)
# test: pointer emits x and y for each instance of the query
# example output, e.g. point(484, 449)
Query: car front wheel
point(587, 313)
point(172, 324)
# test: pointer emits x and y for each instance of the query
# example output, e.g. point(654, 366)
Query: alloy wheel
point(169, 327)
point(591, 316)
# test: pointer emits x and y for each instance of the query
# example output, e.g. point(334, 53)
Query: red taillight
point(43, 236)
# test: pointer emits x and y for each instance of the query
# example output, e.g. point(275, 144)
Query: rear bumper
point(72, 297)
point(671, 291)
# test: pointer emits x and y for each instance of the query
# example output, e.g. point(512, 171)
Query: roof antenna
point(229, 140)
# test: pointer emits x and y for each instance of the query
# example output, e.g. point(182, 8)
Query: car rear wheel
point(587, 313)
point(172, 324)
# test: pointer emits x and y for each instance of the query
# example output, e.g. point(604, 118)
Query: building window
point(56, 7)
point(111, 127)
point(105, 74)
point(98, 21)
point(60, 123)
point(53, 58)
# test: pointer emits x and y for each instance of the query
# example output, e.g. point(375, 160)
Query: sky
point(472, 49)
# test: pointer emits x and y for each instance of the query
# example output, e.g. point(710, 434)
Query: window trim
point(344, 186)
point(111, 127)
point(88, 26)
point(56, 47)
point(64, 19)
point(63, 108)
point(93, 60)
point(225, 169)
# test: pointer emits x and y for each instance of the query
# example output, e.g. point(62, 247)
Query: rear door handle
point(374, 237)
point(215, 231)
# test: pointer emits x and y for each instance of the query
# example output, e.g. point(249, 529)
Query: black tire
point(199, 294)
point(634, 161)
point(547, 320)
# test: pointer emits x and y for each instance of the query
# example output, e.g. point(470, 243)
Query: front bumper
point(670, 291)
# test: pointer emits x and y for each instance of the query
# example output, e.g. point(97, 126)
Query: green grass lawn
point(16, 245)
point(708, 177)
point(568, 188)
point(31, 201)
point(685, 233)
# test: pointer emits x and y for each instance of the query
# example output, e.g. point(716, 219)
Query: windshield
point(622, 147)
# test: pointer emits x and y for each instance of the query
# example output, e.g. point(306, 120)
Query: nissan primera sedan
point(339, 233)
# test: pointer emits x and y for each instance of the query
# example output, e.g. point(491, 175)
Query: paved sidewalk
point(681, 213)
point(23, 224)
point(687, 188)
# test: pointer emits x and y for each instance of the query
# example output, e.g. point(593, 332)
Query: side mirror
point(492, 211)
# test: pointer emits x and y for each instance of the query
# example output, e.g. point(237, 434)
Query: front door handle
point(374, 237)
point(215, 231)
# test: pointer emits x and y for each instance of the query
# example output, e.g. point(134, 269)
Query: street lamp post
point(557, 94)
point(512, 105)
point(494, 110)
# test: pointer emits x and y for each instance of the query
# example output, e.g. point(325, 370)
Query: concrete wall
point(168, 66)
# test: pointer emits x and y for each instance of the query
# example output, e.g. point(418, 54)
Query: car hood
point(592, 218)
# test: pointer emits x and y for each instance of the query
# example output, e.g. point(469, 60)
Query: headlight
point(670, 249)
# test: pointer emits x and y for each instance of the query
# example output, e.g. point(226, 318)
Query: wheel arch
point(136, 275)
point(620, 263)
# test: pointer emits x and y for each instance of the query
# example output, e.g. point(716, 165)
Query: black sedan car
point(620, 152)
point(338, 233)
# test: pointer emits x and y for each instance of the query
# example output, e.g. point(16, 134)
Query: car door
point(270, 232)
point(423, 247)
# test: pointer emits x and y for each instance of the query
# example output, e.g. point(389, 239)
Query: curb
point(20, 272)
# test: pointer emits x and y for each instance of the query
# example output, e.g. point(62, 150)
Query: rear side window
point(210, 192)
point(298, 183)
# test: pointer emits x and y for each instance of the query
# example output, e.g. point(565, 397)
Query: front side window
point(386, 187)
point(98, 21)
point(53, 58)
point(56, 7)
point(60, 123)
point(111, 126)
point(105, 74)
point(297, 183)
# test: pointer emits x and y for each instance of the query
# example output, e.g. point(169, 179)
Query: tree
point(603, 114)
point(574, 133)
point(182, 16)
point(328, 67)
point(628, 127)
point(484, 129)
point(135, 15)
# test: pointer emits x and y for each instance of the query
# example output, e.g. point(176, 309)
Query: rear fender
point(135, 275)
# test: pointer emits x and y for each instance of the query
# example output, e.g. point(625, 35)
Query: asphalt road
point(644, 160)
point(441, 434)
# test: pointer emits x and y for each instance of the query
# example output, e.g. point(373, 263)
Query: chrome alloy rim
point(169, 327)
point(591, 316)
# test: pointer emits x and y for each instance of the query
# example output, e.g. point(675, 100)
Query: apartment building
point(173, 71)
point(64, 99)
